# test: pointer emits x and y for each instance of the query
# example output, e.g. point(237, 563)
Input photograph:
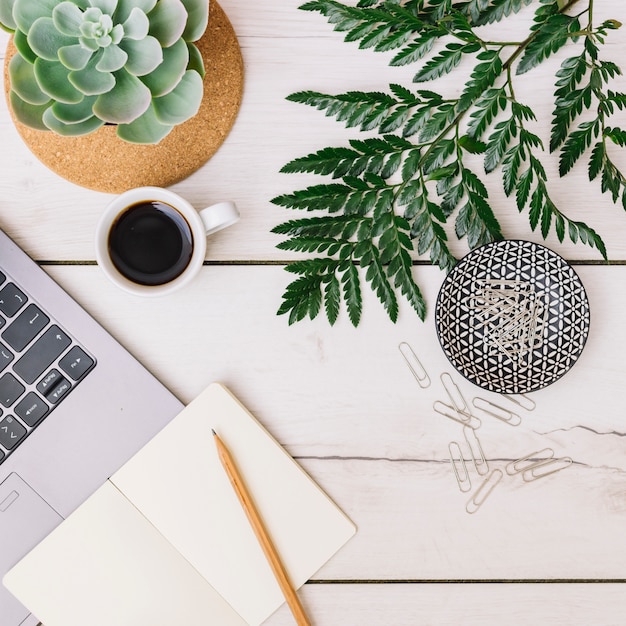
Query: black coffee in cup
point(150, 243)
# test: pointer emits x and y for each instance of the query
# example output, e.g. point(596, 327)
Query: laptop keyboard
point(40, 363)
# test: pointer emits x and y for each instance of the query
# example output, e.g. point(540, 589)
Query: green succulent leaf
point(67, 18)
point(90, 81)
point(182, 102)
point(146, 129)
point(53, 78)
point(106, 6)
point(136, 25)
point(70, 130)
point(24, 82)
point(144, 55)
point(125, 102)
point(125, 7)
point(29, 114)
point(7, 22)
point(167, 21)
point(113, 58)
point(45, 40)
point(167, 75)
point(26, 12)
point(198, 12)
point(74, 113)
point(75, 57)
point(21, 43)
point(195, 60)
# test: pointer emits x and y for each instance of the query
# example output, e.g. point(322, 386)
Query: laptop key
point(30, 322)
point(49, 382)
point(6, 356)
point(10, 389)
point(11, 432)
point(12, 299)
point(41, 354)
point(59, 392)
point(31, 409)
point(76, 363)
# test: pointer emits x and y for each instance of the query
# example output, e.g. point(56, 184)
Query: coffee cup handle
point(218, 216)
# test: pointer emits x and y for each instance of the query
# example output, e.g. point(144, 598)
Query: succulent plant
point(84, 63)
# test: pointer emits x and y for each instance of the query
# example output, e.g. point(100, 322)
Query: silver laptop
point(74, 406)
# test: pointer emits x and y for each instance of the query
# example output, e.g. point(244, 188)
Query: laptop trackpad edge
point(25, 519)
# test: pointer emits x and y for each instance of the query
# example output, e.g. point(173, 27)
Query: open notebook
point(165, 540)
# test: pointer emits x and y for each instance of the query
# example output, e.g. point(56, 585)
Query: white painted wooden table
point(342, 400)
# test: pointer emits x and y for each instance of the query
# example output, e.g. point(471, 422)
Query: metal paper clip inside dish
point(451, 413)
point(483, 492)
point(417, 369)
point(478, 456)
point(534, 459)
point(546, 469)
point(497, 411)
point(459, 467)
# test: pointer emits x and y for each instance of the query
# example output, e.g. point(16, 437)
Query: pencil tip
point(214, 433)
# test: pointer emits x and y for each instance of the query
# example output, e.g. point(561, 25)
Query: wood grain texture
point(342, 400)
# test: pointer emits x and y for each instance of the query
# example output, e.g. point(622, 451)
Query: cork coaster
point(102, 162)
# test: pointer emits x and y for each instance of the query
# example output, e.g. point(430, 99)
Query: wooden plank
point(286, 50)
point(328, 390)
point(470, 605)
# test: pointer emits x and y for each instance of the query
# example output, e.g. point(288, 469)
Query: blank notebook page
point(178, 485)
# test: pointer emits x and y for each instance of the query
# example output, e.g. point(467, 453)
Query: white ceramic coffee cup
point(201, 223)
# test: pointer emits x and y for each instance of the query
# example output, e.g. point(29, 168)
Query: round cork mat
point(103, 162)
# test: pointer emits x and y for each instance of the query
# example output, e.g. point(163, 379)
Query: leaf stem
point(509, 62)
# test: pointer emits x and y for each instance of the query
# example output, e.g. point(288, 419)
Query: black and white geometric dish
point(512, 316)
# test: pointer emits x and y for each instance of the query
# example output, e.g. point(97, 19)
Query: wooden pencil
point(261, 532)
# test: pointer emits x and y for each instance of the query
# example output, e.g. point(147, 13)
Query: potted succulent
point(81, 64)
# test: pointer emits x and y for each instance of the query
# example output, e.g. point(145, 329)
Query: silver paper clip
point(478, 456)
point(454, 393)
point(545, 469)
point(417, 369)
point(482, 493)
point(451, 413)
point(521, 400)
point(530, 461)
point(459, 467)
point(497, 411)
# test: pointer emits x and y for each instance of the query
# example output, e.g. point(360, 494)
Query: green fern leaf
point(417, 49)
point(494, 11)
point(499, 141)
point(548, 39)
point(576, 144)
point(332, 298)
point(444, 62)
point(482, 78)
point(486, 108)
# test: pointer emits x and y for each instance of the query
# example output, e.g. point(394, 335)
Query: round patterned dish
point(512, 316)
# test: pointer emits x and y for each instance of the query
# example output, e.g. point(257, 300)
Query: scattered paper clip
point(483, 492)
point(546, 469)
point(521, 400)
point(417, 369)
point(459, 467)
point(497, 411)
point(530, 461)
point(478, 456)
point(454, 393)
point(451, 413)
